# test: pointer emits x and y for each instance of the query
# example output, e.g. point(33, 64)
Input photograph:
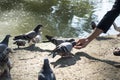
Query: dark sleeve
point(109, 17)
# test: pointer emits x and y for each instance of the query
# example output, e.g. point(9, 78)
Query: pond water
point(62, 18)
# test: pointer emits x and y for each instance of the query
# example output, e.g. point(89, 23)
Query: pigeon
point(46, 72)
point(93, 25)
point(4, 52)
point(116, 28)
point(64, 49)
point(4, 44)
point(5, 61)
point(20, 42)
point(30, 35)
point(57, 41)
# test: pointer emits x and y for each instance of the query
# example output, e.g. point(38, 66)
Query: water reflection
point(65, 18)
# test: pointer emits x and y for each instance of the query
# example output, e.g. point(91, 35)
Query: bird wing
point(2, 47)
point(58, 42)
point(66, 46)
point(31, 34)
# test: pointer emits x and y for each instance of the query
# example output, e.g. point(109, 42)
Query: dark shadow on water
point(33, 48)
point(110, 62)
point(64, 62)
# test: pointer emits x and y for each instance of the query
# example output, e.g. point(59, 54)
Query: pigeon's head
point(38, 27)
point(8, 36)
point(46, 64)
point(6, 39)
point(49, 37)
point(73, 43)
point(71, 40)
point(46, 61)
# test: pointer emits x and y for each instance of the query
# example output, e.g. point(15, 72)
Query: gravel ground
point(95, 62)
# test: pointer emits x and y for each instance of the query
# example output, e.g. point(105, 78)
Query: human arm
point(81, 43)
point(103, 25)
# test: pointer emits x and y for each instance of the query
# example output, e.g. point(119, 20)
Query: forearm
point(94, 34)
point(109, 17)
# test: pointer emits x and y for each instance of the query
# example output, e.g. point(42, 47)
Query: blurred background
point(61, 18)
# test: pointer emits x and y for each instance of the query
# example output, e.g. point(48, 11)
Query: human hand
point(81, 43)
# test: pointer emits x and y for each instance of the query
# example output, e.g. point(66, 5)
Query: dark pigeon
point(20, 42)
point(4, 43)
point(57, 41)
point(30, 35)
point(46, 72)
point(4, 53)
point(64, 49)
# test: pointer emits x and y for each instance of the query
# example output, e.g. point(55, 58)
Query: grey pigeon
point(64, 49)
point(4, 43)
point(30, 35)
point(46, 72)
point(20, 42)
point(4, 52)
point(57, 41)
